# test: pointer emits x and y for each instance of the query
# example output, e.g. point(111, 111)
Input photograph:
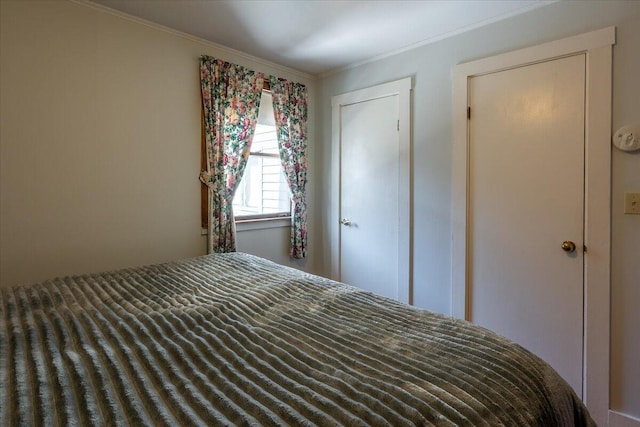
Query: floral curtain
point(230, 99)
point(290, 110)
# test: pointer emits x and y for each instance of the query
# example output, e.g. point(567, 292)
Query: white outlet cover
point(627, 138)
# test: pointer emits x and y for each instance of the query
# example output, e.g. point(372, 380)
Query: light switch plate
point(632, 203)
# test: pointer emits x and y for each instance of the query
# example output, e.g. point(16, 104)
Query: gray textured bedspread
point(232, 339)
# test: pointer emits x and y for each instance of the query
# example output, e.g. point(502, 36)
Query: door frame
point(401, 88)
point(597, 45)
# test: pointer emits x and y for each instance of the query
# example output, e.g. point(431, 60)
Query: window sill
point(259, 224)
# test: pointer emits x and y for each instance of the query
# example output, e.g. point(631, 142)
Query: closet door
point(526, 208)
point(369, 196)
point(370, 189)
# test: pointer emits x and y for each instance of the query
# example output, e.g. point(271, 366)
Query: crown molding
point(223, 49)
point(438, 38)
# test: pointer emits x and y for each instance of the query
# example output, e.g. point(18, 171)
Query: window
point(263, 191)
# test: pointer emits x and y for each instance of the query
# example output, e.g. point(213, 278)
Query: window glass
point(263, 190)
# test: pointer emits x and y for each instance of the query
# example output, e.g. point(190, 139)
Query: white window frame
point(260, 221)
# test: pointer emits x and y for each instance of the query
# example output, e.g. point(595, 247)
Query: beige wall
point(100, 143)
point(431, 67)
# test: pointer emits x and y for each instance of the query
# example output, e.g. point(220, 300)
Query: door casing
point(597, 46)
point(401, 88)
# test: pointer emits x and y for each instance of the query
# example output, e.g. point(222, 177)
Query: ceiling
point(317, 36)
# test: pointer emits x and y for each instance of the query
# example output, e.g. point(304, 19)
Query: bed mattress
point(232, 339)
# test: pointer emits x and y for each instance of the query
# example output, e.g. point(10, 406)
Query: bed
point(232, 339)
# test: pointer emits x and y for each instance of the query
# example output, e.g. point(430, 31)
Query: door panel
point(526, 196)
point(369, 169)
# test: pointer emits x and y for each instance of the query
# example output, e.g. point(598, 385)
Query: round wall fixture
point(627, 138)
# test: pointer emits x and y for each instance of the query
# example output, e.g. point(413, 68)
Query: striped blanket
point(231, 339)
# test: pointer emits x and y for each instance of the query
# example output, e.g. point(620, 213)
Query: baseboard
point(616, 419)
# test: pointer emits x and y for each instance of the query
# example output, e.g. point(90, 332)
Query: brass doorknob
point(568, 246)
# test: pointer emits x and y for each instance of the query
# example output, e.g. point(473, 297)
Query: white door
point(370, 189)
point(369, 202)
point(526, 198)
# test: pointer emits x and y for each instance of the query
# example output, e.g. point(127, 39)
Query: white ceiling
point(316, 36)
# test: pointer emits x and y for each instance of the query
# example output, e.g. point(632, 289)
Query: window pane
point(263, 189)
point(265, 139)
